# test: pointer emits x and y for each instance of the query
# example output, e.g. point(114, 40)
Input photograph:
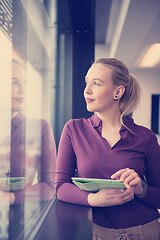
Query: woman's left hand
point(7, 198)
point(130, 177)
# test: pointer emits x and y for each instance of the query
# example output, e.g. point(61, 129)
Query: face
point(18, 87)
point(100, 91)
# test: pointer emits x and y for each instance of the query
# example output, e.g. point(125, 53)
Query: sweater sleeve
point(152, 196)
point(48, 156)
point(66, 165)
point(44, 189)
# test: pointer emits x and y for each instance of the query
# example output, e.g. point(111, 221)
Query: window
point(27, 147)
point(155, 120)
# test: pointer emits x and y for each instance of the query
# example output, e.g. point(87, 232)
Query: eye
point(14, 83)
point(97, 83)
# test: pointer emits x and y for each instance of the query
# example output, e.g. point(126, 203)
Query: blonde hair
point(121, 77)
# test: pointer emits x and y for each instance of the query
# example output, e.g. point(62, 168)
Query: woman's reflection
point(30, 173)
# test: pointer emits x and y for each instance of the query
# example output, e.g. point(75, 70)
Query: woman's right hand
point(110, 197)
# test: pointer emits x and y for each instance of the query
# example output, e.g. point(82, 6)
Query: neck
point(110, 119)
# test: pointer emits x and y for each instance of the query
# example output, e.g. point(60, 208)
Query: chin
point(18, 108)
point(91, 109)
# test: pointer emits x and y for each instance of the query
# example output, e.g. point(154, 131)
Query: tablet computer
point(12, 183)
point(93, 184)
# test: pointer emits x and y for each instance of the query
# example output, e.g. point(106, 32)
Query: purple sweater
point(30, 150)
point(83, 148)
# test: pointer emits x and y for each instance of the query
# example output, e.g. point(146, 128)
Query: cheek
point(105, 94)
point(14, 91)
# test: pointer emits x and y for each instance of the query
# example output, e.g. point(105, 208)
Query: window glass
point(27, 144)
point(155, 114)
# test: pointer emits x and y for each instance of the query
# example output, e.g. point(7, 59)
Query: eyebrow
point(17, 78)
point(95, 79)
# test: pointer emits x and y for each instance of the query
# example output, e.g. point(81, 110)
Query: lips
point(21, 99)
point(89, 100)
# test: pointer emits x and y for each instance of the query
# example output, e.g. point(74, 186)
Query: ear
point(119, 91)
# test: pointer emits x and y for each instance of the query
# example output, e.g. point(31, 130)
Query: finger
point(111, 190)
point(122, 198)
point(128, 194)
point(128, 198)
point(118, 173)
point(135, 181)
point(128, 177)
point(128, 190)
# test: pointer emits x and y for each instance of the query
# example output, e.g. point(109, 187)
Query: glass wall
point(28, 46)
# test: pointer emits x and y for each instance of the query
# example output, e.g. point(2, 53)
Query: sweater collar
point(16, 121)
point(128, 123)
point(95, 120)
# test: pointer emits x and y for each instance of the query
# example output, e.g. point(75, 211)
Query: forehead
point(18, 70)
point(99, 70)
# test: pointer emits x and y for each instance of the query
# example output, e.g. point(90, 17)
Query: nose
point(88, 89)
point(22, 87)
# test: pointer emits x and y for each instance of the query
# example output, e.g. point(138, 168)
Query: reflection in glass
point(32, 146)
point(27, 146)
point(4, 222)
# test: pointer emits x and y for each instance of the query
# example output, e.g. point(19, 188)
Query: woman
point(110, 145)
point(30, 150)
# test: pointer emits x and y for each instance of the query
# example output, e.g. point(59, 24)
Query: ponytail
point(130, 98)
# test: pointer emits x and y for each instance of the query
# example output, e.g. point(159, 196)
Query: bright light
point(34, 93)
point(5, 83)
point(152, 56)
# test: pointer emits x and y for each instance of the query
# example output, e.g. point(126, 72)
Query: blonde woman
point(110, 145)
